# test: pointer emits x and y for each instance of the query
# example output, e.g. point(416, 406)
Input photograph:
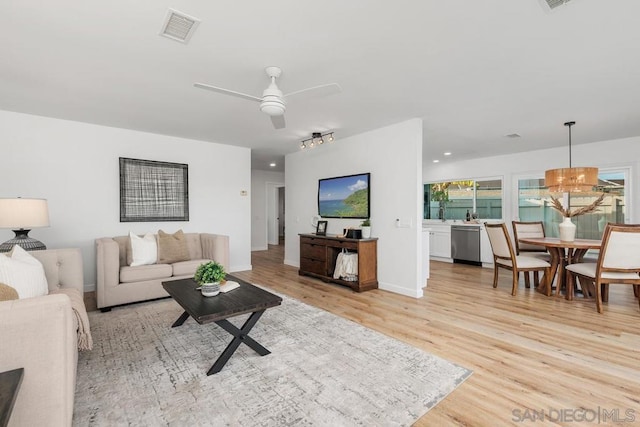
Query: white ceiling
point(473, 70)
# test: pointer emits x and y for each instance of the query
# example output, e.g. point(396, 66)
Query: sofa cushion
point(7, 293)
point(194, 245)
point(144, 272)
point(172, 247)
point(142, 250)
point(184, 268)
point(24, 273)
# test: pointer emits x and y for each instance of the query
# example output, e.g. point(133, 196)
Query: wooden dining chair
point(525, 230)
point(618, 262)
point(505, 257)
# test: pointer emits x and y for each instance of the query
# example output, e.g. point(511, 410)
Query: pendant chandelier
point(569, 180)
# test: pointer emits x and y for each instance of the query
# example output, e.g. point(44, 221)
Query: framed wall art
point(321, 228)
point(153, 191)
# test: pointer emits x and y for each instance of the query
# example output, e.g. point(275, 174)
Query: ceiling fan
point(272, 101)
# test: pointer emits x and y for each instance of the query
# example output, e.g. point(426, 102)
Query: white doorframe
point(271, 216)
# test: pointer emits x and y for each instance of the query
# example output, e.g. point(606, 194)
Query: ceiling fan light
point(330, 137)
point(272, 108)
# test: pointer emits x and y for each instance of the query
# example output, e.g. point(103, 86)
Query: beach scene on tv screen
point(345, 197)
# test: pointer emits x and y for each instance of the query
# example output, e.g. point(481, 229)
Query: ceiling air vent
point(513, 135)
point(555, 3)
point(179, 26)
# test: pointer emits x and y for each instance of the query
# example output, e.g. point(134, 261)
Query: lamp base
point(23, 240)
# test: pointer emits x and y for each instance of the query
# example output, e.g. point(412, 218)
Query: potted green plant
point(366, 228)
point(208, 276)
point(440, 194)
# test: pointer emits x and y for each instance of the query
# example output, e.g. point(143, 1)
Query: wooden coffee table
point(9, 385)
point(245, 299)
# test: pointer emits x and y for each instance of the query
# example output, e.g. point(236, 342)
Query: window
point(452, 199)
point(534, 204)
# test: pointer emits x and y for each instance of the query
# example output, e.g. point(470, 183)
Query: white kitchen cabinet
point(426, 234)
point(486, 254)
point(440, 241)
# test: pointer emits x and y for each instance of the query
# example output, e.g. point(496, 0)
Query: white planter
point(210, 289)
point(366, 232)
point(567, 230)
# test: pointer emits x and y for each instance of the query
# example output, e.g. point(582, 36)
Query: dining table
point(562, 254)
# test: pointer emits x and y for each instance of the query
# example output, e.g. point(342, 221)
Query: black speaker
point(352, 233)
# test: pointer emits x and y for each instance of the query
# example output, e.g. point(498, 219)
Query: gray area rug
point(323, 370)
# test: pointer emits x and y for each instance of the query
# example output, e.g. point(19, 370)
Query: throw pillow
point(142, 250)
point(7, 293)
point(172, 247)
point(24, 273)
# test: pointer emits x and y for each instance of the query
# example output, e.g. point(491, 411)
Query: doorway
point(280, 215)
point(275, 213)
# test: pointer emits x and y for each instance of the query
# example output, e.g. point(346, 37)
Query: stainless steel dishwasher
point(465, 244)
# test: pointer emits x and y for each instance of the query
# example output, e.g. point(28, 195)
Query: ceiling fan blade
point(278, 121)
point(316, 91)
point(227, 92)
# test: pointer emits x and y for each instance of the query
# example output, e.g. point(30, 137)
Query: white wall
point(620, 153)
point(75, 166)
point(261, 183)
point(393, 157)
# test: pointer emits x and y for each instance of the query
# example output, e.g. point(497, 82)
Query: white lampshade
point(23, 213)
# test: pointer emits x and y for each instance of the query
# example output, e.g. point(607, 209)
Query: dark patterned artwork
point(153, 191)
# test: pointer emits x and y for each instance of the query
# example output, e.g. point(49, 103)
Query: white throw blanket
point(85, 342)
point(346, 266)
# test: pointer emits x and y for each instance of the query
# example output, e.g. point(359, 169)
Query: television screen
point(344, 196)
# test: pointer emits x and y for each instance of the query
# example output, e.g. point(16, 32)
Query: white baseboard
point(295, 264)
point(414, 293)
point(437, 258)
point(89, 287)
point(235, 268)
point(260, 248)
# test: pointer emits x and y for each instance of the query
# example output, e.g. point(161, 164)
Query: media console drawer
point(313, 266)
point(312, 240)
point(318, 256)
point(343, 244)
point(313, 251)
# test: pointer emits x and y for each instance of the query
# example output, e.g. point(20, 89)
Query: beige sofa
point(118, 283)
point(39, 335)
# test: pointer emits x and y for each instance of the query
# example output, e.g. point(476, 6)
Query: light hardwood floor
point(529, 352)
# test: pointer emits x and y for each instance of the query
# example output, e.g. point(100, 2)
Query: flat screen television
point(344, 196)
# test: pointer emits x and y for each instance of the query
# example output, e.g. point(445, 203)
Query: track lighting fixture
point(316, 138)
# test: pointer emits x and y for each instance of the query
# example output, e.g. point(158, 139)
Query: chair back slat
point(499, 239)
point(621, 248)
point(527, 230)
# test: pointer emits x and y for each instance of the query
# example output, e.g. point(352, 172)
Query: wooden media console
point(318, 259)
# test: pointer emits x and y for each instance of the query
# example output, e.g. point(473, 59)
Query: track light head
point(316, 138)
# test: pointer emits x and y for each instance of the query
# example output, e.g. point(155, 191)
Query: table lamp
point(21, 215)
